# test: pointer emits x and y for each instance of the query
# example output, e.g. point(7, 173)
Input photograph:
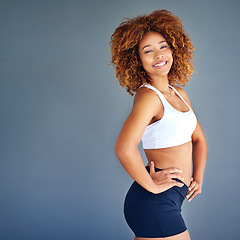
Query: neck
point(161, 84)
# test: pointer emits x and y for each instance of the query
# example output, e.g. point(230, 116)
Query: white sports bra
point(173, 129)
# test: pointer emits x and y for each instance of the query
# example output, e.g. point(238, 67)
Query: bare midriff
point(179, 157)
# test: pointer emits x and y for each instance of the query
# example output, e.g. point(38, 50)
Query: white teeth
point(160, 64)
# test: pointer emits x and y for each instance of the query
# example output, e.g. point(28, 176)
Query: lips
point(160, 64)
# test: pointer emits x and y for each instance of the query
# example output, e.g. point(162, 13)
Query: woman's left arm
point(199, 157)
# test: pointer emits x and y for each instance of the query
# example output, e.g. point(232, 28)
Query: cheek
point(170, 57)
point(145, 61)
point(145, 66)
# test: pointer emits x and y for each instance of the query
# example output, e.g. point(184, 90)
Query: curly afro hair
point(125, 42)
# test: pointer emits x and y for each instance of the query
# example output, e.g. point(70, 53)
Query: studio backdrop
point(62, 109)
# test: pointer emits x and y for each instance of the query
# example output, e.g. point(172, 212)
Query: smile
point(160, 64)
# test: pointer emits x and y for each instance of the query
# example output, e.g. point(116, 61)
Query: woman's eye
point(148, 51)
point(163, 47)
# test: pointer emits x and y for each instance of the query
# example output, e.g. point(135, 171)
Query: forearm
point(132, 162)
point(199, 160)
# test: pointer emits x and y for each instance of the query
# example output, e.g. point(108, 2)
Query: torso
point(177, 156)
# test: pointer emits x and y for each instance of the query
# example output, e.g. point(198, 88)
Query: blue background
point(62, 109)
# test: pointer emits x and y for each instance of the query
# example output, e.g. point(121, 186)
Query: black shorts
point(155, 215)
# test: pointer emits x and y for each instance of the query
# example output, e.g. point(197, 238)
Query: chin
point(163, 74)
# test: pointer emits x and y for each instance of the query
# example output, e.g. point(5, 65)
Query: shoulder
point(145, 94)
point(180, 90)
point(146, 99)
point(183, 94)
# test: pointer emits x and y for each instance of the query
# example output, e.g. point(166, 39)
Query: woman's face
point(155, 55)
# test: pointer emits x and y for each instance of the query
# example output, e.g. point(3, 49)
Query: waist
point(172, 155)
point(183, 164)
point(159, 169)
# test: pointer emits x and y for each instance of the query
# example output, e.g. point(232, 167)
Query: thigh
point(182, 236)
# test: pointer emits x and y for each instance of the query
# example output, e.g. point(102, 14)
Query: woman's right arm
point(146, 105)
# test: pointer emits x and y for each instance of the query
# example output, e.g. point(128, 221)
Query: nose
point(158, 55)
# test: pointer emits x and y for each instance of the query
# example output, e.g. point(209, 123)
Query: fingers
point(171, 184)
point(166, 170)
point(193, 190)
point(178, 184)
point(152, 168)
point(174, 173)
point(167, 174)
point(177, 176)
point(192, 185)
point(192, 196)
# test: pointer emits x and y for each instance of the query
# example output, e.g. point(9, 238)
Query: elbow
point(123, 150)
point(120, 150)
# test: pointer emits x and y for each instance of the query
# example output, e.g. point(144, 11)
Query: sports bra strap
point(163, 99)
point(160, 95)
point(175, 90)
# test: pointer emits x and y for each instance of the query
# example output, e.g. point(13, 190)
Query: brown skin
point(147, 108)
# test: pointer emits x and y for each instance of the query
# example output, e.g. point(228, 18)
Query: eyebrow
point(150, 44)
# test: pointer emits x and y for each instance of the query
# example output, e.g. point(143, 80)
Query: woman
point(152, 53)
